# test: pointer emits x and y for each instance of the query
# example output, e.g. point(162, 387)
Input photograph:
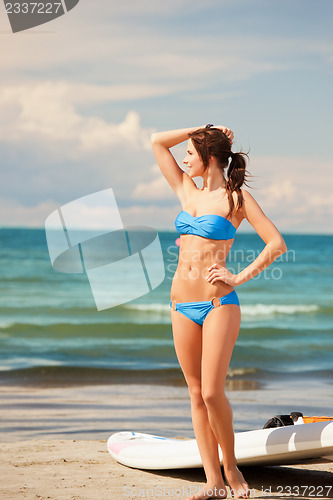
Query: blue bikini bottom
point(197, 311)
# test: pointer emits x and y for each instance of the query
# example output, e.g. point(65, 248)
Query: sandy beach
point(53, 443)
point(83, 470)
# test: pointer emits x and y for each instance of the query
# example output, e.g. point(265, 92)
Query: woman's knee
point(213, 396)
point(195, 394)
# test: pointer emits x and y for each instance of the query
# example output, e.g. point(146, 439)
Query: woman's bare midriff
point(196, 255)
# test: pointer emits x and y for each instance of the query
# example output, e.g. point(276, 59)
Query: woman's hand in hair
point(229, 133)
point(219, 273)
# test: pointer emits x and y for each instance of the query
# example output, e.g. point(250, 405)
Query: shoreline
point(70, 376)
point(97, 411)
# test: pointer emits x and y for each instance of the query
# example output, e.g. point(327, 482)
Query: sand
point(84, 470)
point(53, 444)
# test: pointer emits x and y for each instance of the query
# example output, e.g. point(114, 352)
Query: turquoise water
point(49, 319)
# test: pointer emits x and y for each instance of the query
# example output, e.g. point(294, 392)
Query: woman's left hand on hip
point(219, 273)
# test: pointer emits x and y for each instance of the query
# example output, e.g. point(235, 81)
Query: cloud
point(15, 214)
point(292, 193)
point(46, 111)
point(286, 189)
point(62, 153)
point(138, 42)
point(93, 93)
point(53, 150)
point(155, 189)
point(282, 190)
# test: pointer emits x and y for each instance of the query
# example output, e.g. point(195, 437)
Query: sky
point(81, 95)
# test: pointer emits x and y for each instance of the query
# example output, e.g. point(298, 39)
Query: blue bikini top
point(214, 227)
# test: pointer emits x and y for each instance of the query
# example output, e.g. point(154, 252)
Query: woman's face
point(192, 161)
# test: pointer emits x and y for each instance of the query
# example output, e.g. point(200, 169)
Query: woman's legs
point(219, 333)
point(188, 345)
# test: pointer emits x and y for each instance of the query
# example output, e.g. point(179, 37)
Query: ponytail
point(237, 176)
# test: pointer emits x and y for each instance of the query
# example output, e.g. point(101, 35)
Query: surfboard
point(277, 446)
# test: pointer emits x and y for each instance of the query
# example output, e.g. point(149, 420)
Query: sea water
point(50, 320)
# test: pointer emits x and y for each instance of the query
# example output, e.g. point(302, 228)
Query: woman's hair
point(210, 142)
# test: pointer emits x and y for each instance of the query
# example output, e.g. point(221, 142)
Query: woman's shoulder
point(246, 194)
point(250, 206)
point(248, 199)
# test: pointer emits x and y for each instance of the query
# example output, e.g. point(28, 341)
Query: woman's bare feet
point(238, 486)
point(210, 491)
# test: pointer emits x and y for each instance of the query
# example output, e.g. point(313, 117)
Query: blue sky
point(80, 96)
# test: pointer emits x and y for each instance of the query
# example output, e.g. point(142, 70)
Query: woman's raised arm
point(162, 142)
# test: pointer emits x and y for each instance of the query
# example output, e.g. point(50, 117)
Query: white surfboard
point(263, 447)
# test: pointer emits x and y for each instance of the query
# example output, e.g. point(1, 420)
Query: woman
point(205, 310)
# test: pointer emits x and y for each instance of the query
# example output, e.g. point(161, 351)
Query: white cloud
point(15, 214)
point(57, 145)
point(155, 189)
point(110, 45)
point(293, 193)
point(283, 188)
point(52, 150)
point(46, 111)
point(104, 154)
point(93, 93)
point(152, 215)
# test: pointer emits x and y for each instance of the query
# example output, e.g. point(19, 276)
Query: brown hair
point(212, 141)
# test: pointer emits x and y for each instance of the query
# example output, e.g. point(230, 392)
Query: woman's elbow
point(153, 138)
point(284, 246)
point(281, 246)
point(277, 247)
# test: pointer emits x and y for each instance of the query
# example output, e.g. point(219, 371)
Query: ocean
point(50, 326)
